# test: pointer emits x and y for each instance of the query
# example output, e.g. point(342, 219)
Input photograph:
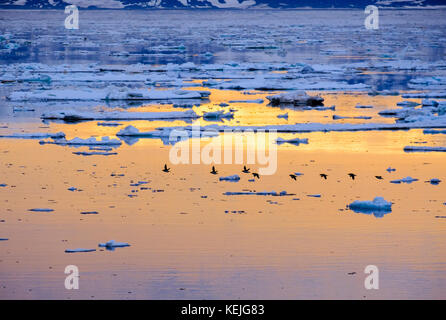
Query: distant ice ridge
point(72, 115)
point(109, 93)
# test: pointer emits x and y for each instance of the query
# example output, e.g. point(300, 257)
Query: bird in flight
point(323, 175)
point(213, 170)
point(379, 177)
point(256, 175)
point(352, 175)
point(166, 169)
point(293, 176)
point(245, 170)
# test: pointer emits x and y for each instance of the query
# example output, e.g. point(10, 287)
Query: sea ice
point(424, 149)
point(113, 244)
point(405, 180)
point(377, 205)
point(295, 141)
point(72, 115)
point(79, 250)
point(233, 178)
point(295, 98)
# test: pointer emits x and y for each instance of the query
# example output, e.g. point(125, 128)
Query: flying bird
point(256, 175)
point(379, 177)
point(166, 169)
point(352, 175)
point(323, 175)
point(293, 176)
point(213, 170)
point(245, 170)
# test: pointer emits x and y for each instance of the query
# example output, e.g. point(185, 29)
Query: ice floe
point(295, 141)
point(295, 98)
point(36, 135)
point(233, 178)
point(113, 244)
point(110, 93)
point(72, 115)
point(79, 250)
point(407, 180)
point(262, 193)
point(424, 149)
point(92, 141)
point(379, 206)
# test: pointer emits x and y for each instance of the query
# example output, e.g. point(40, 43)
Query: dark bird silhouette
point(256, 175)
point(379, 177)
point(352, 175)
point(293, 176)
point(245, 170)
point(213, 170)
point(323, 175)
point(166, 169)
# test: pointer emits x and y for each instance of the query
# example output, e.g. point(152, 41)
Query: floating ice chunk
point(114, 244)
point(425, 95)
point(434, 181)
point(92, 141)
point(320, 108)
point(407, 104)
point(405, 180)
point(41, 210)
point(94, 153)
point(109, 124)
point(36, 135)
point(427, 102)
point(233, 178)
point(295, 141)
point(72, 115)
point(262, 193)
point(23, 109)
point(378, 206)
point(424, 149)
point(218, 115)
point(283, 116)
point(433, 131)
point(110, 93)
point(79, 250)
point(247, 101)
point(295, 98)
point(336, 117)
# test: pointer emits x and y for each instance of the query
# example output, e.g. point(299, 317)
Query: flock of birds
point(256, 175)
